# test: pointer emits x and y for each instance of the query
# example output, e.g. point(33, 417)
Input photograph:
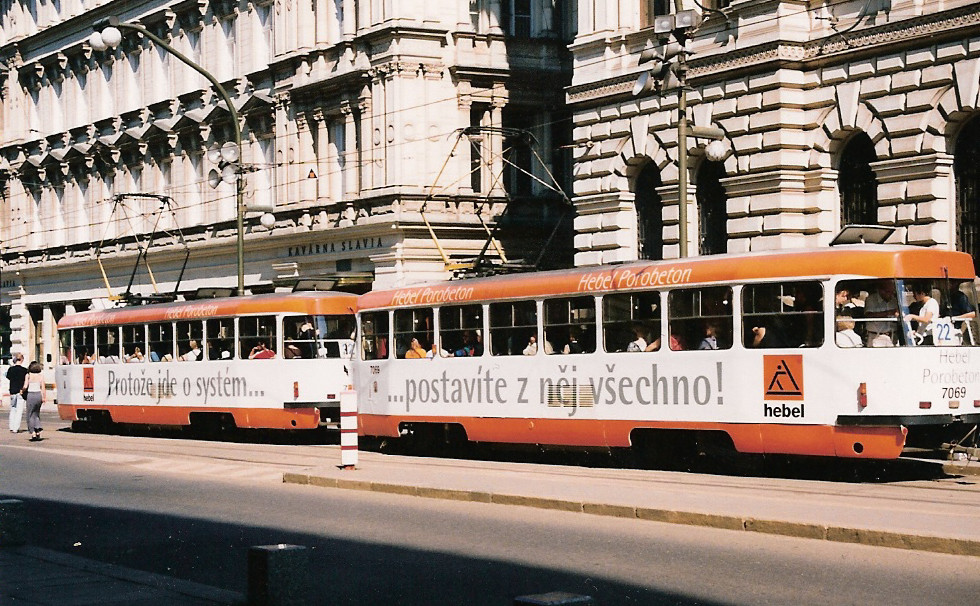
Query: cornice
point(836, 48)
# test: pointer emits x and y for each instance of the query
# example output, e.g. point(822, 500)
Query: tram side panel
point(826, 401)
point(273, 394)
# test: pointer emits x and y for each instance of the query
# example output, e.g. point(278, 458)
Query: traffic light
point(662, 63)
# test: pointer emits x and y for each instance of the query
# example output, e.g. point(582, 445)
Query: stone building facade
point(833, 112)
point(352, 115)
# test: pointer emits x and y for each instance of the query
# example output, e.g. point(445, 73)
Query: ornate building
point(833, 112)
point(389, 137)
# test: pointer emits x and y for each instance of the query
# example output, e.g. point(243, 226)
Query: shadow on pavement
point(343, 571)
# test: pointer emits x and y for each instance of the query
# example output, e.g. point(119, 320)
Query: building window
point(712, 208)
point(479, 117)
point(653, 8)
point(516, 17)
point(518, 157)
point(649, 213)
point(857, 182)
point(966, 167)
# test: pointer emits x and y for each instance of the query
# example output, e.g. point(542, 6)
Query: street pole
point(236, 130)
point(682, 154)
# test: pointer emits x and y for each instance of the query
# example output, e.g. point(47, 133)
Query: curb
point(961, 469)
point(860, 536)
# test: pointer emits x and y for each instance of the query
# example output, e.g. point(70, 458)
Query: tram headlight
point(863, 395)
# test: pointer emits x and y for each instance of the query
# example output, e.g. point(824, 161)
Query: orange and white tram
point(833, 352)
point(276, 361)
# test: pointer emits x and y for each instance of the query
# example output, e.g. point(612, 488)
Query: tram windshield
point(906, 313)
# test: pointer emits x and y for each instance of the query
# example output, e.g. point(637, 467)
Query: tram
point(275, 361)
point(837, 352)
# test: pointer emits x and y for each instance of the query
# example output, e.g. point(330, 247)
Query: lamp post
point(108, 35)
point(669, 67)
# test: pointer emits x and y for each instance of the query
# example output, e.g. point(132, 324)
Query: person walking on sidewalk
point(36, 395)
point(16, 375)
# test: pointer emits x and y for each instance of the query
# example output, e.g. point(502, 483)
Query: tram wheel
point(681, 449)
point(92, 421)
point(212, 423)
point(432, 438)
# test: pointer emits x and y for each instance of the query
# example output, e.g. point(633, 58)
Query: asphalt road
point(371, 548)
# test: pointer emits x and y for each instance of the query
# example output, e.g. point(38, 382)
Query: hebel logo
point(783, 377)
point(88, 380)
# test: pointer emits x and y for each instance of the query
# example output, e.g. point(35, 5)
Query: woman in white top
point(927, 313)
point(36, 395)
point(846, 337)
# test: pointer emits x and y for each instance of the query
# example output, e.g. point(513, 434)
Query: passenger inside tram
point(846, 337)
point(882, 305)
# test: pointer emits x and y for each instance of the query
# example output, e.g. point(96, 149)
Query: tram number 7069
point(954, 392)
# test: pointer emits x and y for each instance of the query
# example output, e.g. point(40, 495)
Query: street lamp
point(108, 35)
point(669, 67)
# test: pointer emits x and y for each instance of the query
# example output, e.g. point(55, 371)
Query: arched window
point(857, 183)
point(966, 167)
point(649, 213)
point(712, 208)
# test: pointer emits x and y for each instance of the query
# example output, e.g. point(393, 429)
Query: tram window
point(134, 342)
point(513, 325)
point(161, 342)
point(374, 335)
point(190, 336)
point(631, 321)
point(700, 318)
point(299, 337)
point(961, 307)
point(461, 330)
point(64, 341)
point(318, 336)
point(939, 312)
point(84, 343)
point(873, 308)
point(108, 344)
point(257, 337)
point(782, 314)
point(220, 338)
point(569, 325)
point(412, 324)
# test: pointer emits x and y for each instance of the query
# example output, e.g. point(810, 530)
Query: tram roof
point(867, 260)
point(297, 302)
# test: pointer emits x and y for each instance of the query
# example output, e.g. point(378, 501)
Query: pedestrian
point(16, 375)
point(36, 395)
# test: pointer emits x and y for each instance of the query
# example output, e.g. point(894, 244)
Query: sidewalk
point(923, 515)
point(35, 576)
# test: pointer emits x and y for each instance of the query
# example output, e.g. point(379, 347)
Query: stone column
point(918, 194)
point(323, 19)
point(371, 137)
point(349, 15)
point(285, 179)
point(605, 228)
point(494, 147)
point(305, 159)
point(322, 154)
